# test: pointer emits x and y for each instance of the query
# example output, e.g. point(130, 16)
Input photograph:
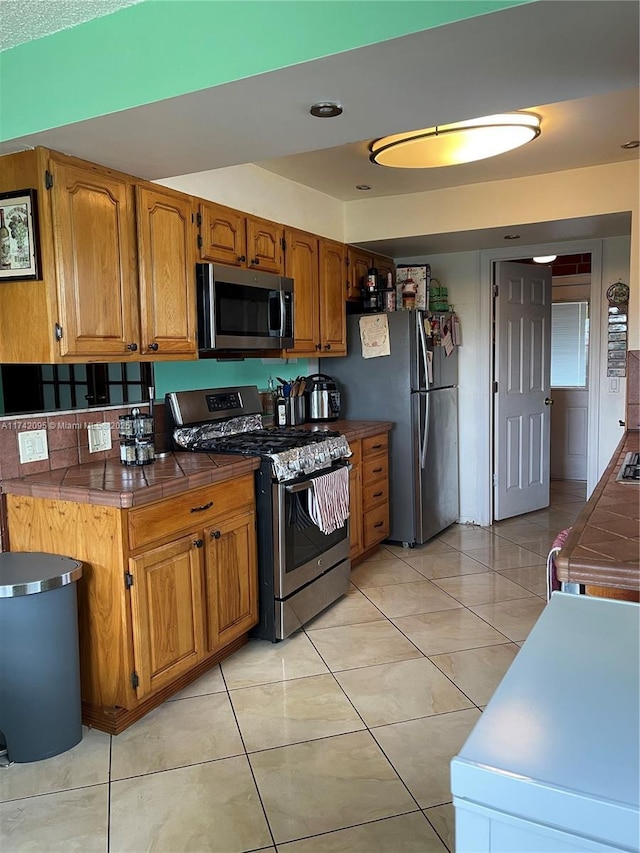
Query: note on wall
point(374, 335)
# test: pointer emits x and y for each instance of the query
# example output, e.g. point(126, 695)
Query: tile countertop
point(109, 483)
point(603, 548)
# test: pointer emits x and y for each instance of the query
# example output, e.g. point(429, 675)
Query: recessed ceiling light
point(511, 236)
point(325, 109)
point(633, 143)
point(545, 259)
point(363, 187)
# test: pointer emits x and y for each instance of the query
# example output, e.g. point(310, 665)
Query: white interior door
point(569, 433)
point(521, 465)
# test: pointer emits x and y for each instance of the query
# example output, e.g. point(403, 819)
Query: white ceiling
point(26, 20)
point(575, 62)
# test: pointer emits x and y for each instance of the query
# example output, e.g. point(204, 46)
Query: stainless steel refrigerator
point(423, 406)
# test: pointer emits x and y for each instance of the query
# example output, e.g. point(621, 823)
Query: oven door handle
point(303, 487)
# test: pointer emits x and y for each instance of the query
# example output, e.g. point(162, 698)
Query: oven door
point(302, 552)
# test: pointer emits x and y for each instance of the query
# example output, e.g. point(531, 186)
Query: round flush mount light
point(545, 259)
point(363, 187)
point(326, 109)
point(633, 143)
point(511, 236)
point(452, 144)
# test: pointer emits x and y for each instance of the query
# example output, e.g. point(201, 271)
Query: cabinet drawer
point(356, 458)
point(376, 525)
point(374, 470)
point(375, 444)
point(375, 494)
point(188, 511)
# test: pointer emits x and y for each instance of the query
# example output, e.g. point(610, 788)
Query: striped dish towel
point(329, 499)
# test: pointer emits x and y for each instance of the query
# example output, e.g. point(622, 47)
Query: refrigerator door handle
point(425, 432)
point(423, 346)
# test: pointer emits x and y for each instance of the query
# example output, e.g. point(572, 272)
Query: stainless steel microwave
point(242, 309)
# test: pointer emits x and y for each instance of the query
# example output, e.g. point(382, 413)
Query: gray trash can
point(40, 713)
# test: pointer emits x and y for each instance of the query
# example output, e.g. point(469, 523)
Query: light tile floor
point(338, 739)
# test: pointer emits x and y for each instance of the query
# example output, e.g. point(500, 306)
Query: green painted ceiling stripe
point(162, 48)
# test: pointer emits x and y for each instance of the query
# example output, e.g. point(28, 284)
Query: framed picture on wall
point(19, 249)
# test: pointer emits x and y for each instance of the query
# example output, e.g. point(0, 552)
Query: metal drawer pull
point(376, 446)
point(201, 508)
point(377, 470)
point(379, 524)
point(198, 543)
point(215, 534)
point(378, 495)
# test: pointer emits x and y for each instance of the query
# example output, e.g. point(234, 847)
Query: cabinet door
point(333, 320)
point(166, 246)
point(231, 580)
point(385, 266)
point(301, 264)
point(222, 235)
point(355, 512)
point(358, 263)
point(94, 236)
point(264, 245)
point(166, 605)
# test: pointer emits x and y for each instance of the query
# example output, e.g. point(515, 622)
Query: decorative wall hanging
point(19, 248)
point(617, 328)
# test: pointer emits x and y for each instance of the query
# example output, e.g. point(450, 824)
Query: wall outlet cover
point(99, 436)
point(32, 445)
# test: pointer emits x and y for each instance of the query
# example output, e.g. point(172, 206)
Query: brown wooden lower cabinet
point(369, 484)
point(168, 589)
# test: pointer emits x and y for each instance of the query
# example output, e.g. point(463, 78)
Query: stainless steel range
point(301, 568)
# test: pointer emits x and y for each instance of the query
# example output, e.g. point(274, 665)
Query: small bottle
point(281, 411)
point(5, 245)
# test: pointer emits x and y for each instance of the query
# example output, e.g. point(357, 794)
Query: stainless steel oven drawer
point(300, 607)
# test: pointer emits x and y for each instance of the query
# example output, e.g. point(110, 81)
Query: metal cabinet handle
point(255, 261)
point(242, 258)
point(379, 524)
point(378, 494)
point(377, 470)
point(198, 543)
point(201, 508)
point(327, 346)
point(215, 534)
point(132, 347)
point(153, 347)
point(318, 346)
point(376, 446)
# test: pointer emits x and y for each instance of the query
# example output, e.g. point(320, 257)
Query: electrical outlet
point(32, 445)
point(99, 436)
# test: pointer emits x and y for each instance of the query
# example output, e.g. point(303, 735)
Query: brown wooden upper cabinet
point(333, 319)
point(228, 236)
point(358, 264)
point(317, 267)
point(117, 273)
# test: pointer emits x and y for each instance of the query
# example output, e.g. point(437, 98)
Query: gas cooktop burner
point(264, 442)
point(630, 471)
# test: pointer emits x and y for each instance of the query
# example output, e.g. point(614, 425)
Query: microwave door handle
point(277, 331)
point(283, 314)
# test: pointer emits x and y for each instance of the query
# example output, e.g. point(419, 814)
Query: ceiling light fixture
point(363, 187)
point(461, 142)
point(511, 236)
point(545, 259)
point(633, 143)
point(325, 109)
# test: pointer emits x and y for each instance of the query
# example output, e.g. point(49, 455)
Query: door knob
point(548, 401)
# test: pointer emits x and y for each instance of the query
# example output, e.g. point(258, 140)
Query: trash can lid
point(23, 573)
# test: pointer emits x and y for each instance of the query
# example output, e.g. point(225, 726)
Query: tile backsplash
point(67, 442)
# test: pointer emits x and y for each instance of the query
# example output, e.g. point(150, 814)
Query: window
point(569, 344)
point(58, 387)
